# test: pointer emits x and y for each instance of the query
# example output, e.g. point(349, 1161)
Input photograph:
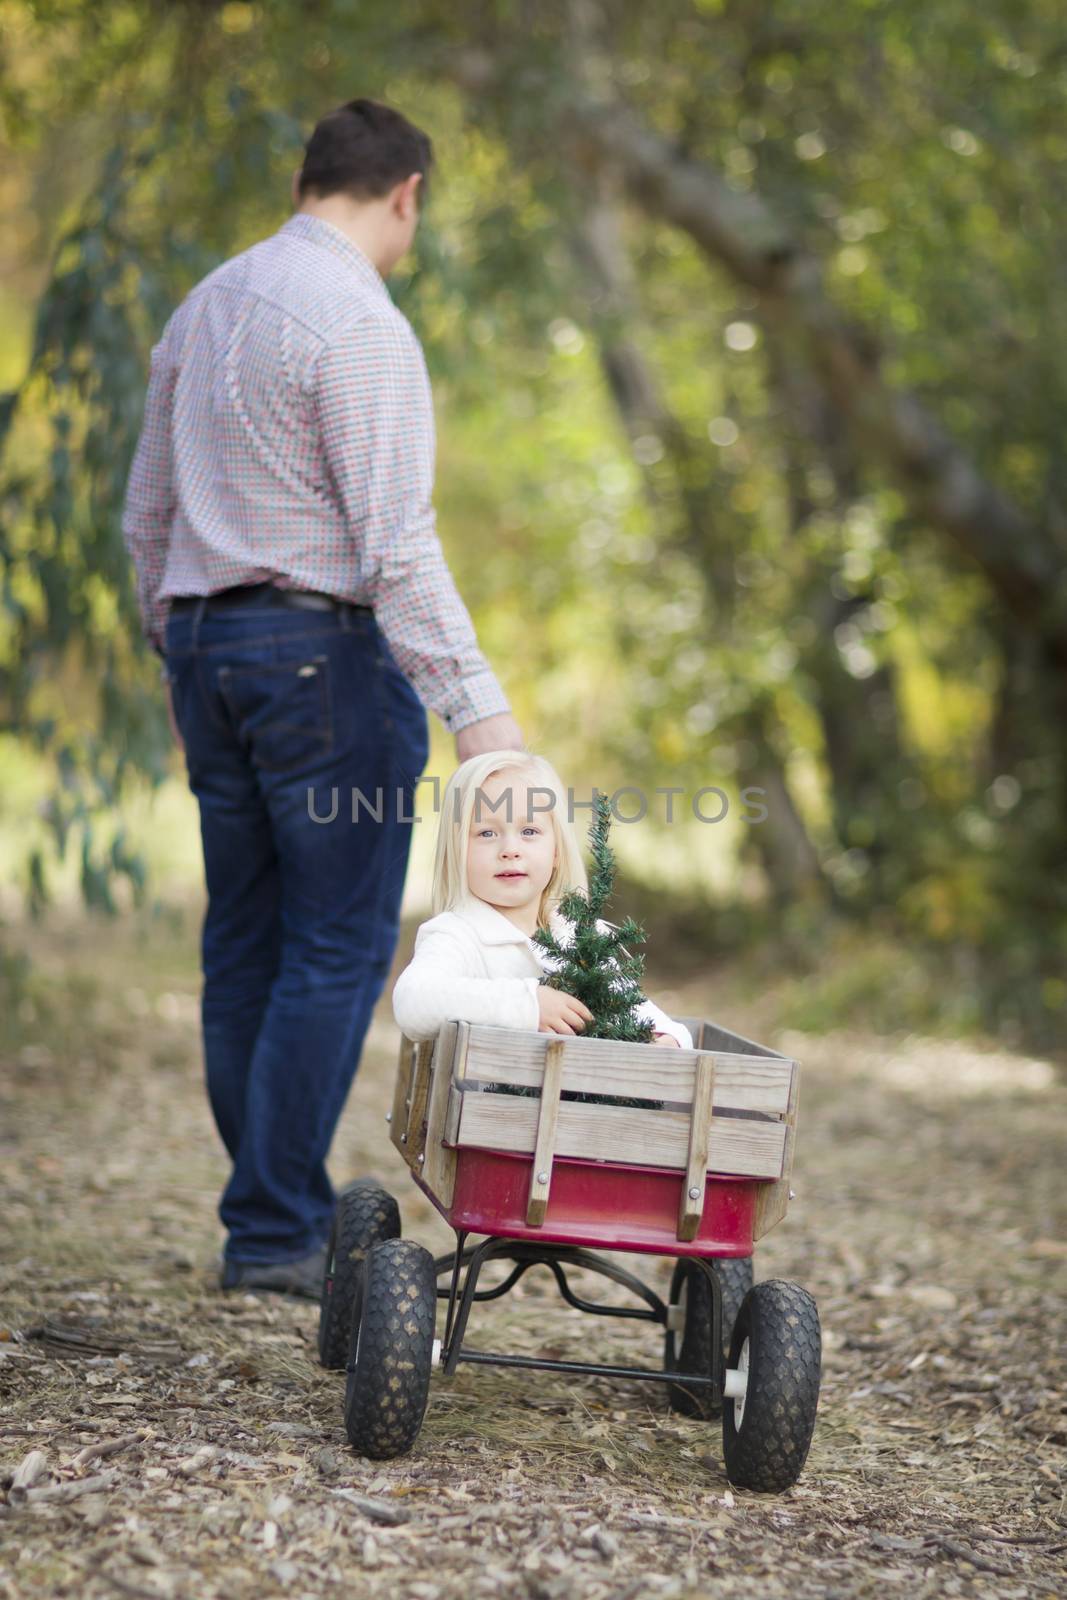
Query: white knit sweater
point(474, 965)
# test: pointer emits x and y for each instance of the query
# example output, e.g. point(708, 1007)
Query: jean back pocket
point(281, 711)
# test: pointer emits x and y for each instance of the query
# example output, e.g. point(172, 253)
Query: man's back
point(249, 352)
point(289, 437)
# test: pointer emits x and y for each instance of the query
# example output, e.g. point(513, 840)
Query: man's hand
point(667, 1039)
point(501, 732)
point(173, 720)
point(560, 1012)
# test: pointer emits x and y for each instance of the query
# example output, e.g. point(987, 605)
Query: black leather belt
point(266, 594)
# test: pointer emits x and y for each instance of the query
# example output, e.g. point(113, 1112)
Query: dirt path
point(929, 1223)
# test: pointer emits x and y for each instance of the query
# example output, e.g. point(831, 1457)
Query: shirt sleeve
point(375, 410)
point(148, 514)
point(435, 987)
point(648, 1011)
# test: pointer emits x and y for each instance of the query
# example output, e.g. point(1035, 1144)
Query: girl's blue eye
point(482, 832)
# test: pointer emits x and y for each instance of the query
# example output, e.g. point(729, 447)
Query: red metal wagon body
point(605, 1205)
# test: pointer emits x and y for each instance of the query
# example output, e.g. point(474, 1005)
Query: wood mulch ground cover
point(159, 1439)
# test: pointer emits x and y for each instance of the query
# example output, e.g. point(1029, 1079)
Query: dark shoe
point(302, 1277)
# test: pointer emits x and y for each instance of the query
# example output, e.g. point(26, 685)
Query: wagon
point(550, 1150)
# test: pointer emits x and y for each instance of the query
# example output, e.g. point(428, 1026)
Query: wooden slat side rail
point(604, 1066)
point(772, 1199)
point(712, 1037)
point(545, 1143)
point(438, 1171)
point(736, 1145)
point(405, 1069)
point(691, 1207)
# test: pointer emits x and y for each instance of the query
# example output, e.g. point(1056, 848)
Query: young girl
point(505, 856)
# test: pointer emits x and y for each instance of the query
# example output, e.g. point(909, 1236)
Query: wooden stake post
point(545, 1148)
point(425, 1075)
point(772, 1201)
point(691, 1208)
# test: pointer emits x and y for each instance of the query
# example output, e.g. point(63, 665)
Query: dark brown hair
point(364, 149)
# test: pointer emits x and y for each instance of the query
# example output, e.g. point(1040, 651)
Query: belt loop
point(345, 612)
point(201, 607)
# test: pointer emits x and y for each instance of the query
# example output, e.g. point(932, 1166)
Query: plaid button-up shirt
point(289, 436)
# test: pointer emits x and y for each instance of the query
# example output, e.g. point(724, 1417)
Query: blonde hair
point(451, 890)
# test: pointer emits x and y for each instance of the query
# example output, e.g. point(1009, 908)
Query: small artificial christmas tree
point(594, 967)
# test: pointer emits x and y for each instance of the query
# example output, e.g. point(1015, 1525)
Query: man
point(279, 515)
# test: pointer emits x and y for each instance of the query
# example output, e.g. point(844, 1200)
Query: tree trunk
point(684, 501)
point(857, 711)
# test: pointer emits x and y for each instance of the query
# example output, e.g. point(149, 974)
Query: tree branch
point(1022, 559)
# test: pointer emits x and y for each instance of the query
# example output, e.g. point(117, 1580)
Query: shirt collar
point(493, 927)
point(316, 229)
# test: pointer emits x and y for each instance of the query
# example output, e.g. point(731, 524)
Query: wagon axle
point(556, 1259)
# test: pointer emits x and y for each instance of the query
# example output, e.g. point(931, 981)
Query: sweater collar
point(493, 927)
point(318, 231)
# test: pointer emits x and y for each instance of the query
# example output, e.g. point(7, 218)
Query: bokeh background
point(745, 320)
point(746, 327)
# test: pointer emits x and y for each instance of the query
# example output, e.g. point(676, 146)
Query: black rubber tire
point(392, 1349)
point(768, 1450)
point(364, 1215)
point(692, 1353)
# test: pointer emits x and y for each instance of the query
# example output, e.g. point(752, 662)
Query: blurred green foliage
point(737, 596)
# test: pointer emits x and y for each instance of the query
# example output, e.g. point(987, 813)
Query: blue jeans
point(281, 712)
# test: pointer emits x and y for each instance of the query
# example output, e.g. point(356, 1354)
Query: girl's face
point(511, 848)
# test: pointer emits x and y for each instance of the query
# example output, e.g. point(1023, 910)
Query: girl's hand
point(665, 1038)
point(559, 1012)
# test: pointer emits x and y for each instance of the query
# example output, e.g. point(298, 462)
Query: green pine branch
point(595, 967)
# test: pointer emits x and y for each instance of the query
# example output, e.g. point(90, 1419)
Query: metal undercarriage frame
point(556, 1257)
